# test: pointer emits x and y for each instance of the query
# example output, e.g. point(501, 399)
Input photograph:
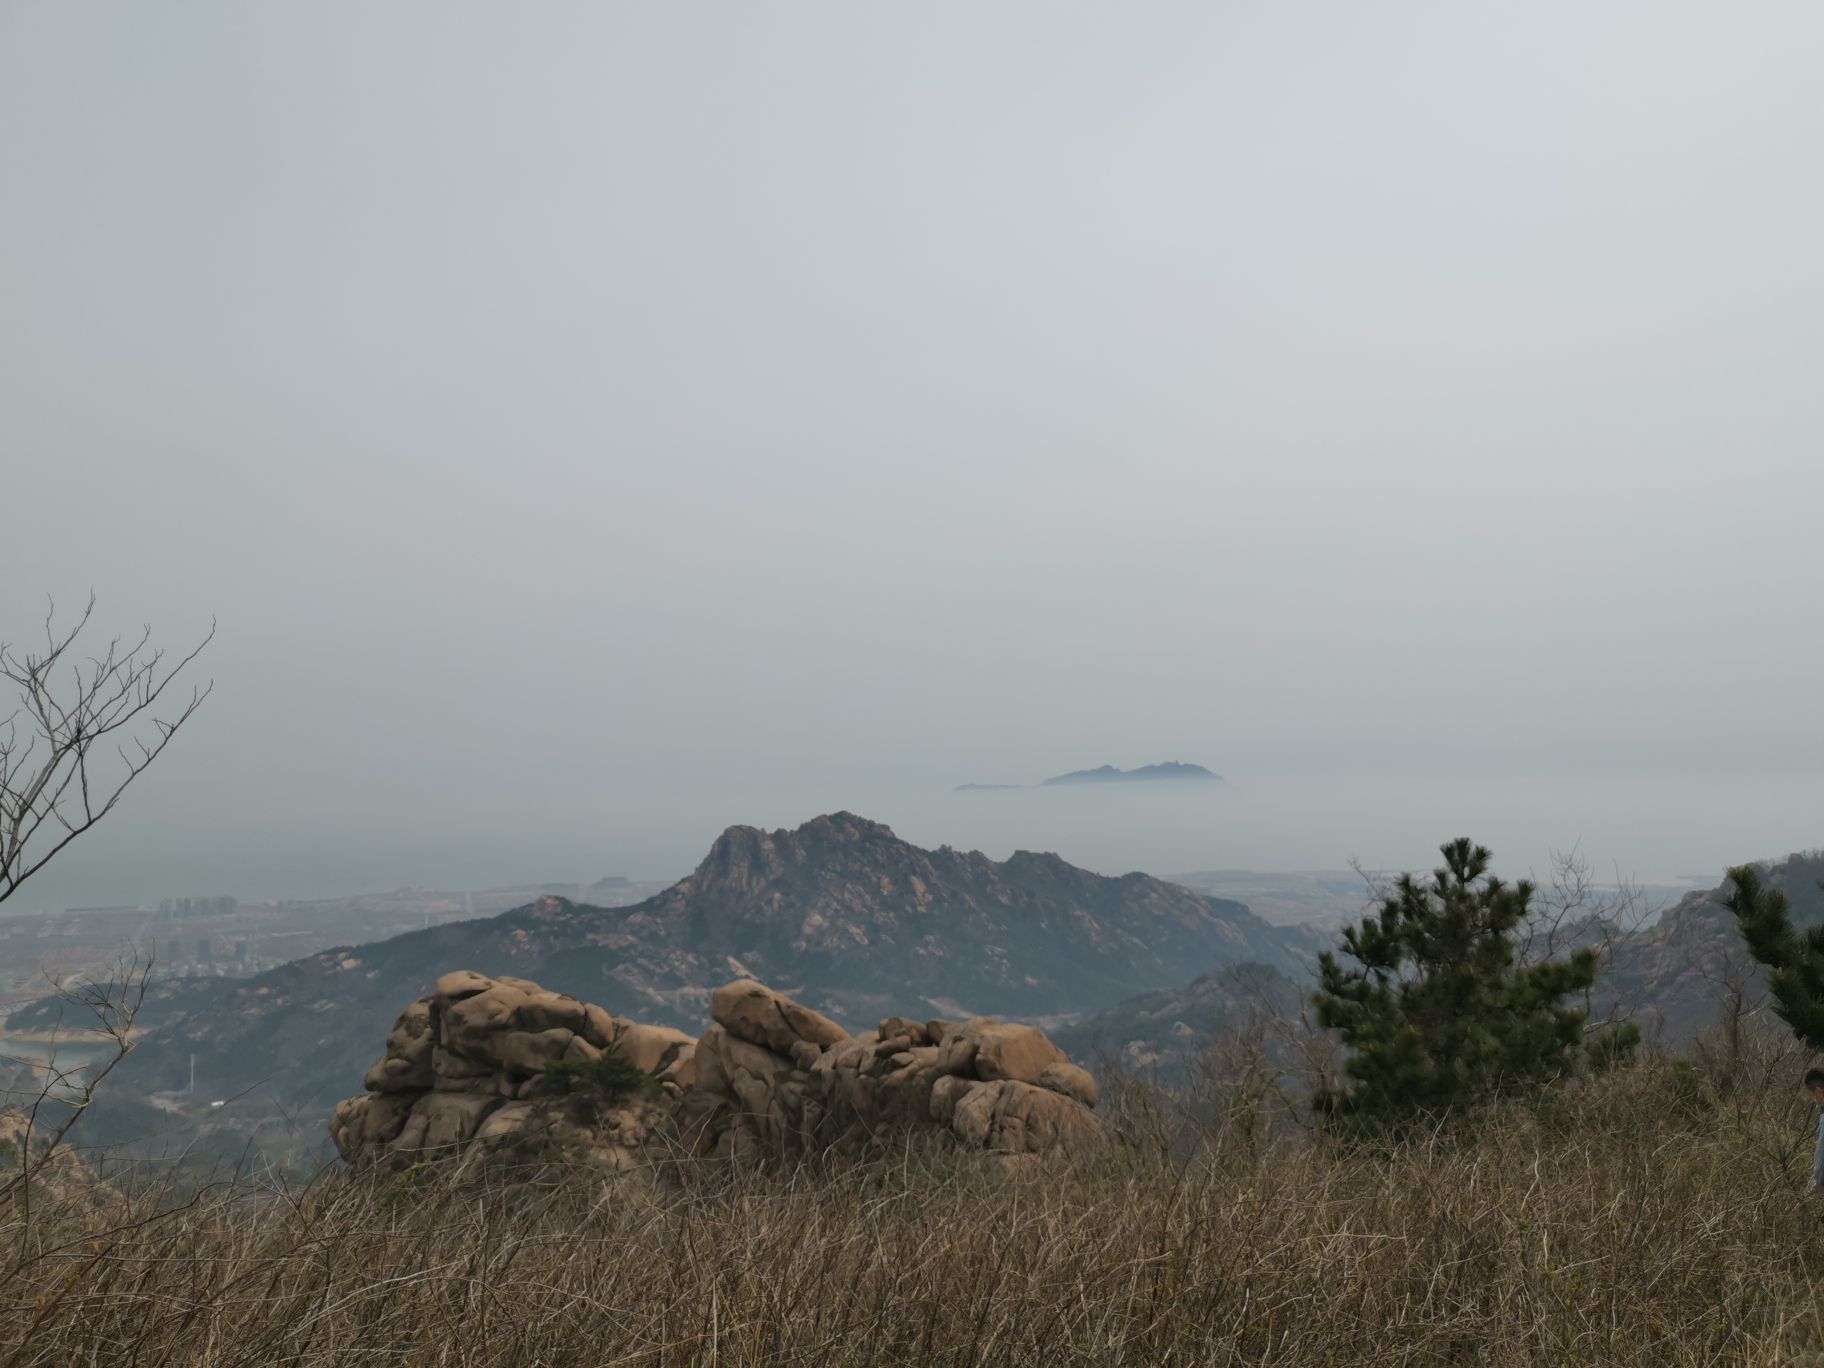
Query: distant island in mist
point(1173, 770)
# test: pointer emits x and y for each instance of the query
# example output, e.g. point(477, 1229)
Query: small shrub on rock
point(596, 1084)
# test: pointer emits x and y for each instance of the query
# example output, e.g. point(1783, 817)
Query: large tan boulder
point(504, 1125)
point(453, 1072)
point(1020, 1053)
point(996, 1050)
point(444, 1121)
point(651, 1048)
point(1034, 1120)
point(972, 1115)
point(362, 1125)
point(1071, 1081)
point(461, 984)
point(755, 1013)
point(947, 1092)
point(722, 1059)
point(1011, 1117)
point(547, 1011)
point(600, 1028)
point(406, 1065)
point(903, 1091)
point(528, 1052)
point(469, 1022)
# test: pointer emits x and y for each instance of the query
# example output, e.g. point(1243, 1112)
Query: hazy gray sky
point(597, 423)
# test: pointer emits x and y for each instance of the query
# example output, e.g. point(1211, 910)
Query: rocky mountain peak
point(744, 859)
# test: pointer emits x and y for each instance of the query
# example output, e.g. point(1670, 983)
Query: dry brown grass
point(1659, 1218)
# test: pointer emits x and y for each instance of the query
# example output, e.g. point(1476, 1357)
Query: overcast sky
point(596, 423)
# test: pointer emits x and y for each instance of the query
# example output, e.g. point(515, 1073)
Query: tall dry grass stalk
point(1658, 1216)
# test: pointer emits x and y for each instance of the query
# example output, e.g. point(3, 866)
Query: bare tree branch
point(63, 1095)
point(1571, 912)
point(75, 713)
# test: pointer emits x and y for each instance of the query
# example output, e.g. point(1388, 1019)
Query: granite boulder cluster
point(489, 1068)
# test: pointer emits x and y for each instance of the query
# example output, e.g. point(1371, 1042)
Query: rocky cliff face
point(502, 1069)
point(842, 914)
point(860, 919)
point(1677, 974)
point(1675, 977)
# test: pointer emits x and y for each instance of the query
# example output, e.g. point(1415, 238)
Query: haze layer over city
point(595, 431)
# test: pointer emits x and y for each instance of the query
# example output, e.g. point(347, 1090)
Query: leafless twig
point(64, 1094)
point(82, 730)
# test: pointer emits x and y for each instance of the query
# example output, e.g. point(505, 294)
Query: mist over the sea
point(598, 427)
point(1652, 829)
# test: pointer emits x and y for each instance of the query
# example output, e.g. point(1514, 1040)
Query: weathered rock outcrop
point(468, 1069)
point(491, 1066)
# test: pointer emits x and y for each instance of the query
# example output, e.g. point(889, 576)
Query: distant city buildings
point(223, 906)
point(223, 937)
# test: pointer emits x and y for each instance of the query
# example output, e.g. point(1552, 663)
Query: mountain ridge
point(1676, 976)
point(839, 912)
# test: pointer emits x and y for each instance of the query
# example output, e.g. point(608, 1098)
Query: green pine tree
point(1435, 1009)
point(1794, 958)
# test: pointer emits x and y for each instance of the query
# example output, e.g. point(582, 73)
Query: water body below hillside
point(71, 1057)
